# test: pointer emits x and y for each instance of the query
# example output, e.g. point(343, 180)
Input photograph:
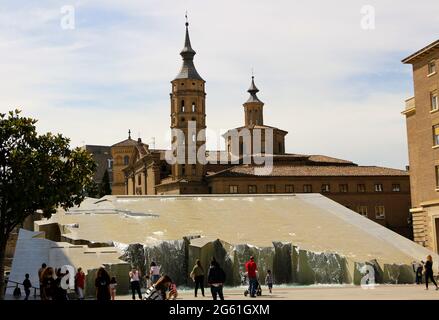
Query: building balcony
point(410, 106)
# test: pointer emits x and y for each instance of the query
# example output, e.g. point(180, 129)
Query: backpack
point(17, 292)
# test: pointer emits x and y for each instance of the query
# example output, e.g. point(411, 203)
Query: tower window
point(193, 83)
point(183, 119)
point(182, 105)
point(126, 160)
point(193, 106)
point(182, 83)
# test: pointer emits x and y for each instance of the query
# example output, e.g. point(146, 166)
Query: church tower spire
point(253, 107)
point(188, 114)
point(188, 70)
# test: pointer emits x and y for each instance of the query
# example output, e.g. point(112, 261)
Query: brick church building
point(380, 194)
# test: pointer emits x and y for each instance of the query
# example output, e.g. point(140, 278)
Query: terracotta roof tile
point(317, 171)
point(124, 143)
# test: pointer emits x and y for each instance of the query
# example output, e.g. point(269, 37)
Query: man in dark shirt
point(216, 278)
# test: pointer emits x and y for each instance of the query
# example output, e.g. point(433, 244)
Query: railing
point(21, 284)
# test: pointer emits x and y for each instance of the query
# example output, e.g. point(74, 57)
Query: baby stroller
point(245, 281)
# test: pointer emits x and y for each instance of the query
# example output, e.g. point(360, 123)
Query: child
point(173, 294)
point(113, 285)
point(148, 281)
point(27, 285)
point(269, 280)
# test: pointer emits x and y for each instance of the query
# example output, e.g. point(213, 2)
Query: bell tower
point(188, 114)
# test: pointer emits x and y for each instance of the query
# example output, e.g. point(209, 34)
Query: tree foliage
point(37, 172)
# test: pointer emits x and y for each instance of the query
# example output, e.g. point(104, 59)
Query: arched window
point(182, 105)
point(126, 160)
point(193, 106)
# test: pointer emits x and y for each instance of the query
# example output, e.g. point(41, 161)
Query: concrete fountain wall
point(289, 264)
point(304, 239)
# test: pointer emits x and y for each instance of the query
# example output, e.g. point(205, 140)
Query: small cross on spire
point(187, 21)
point(129, 133)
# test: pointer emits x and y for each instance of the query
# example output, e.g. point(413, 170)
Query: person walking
point(113, 286)
point(102, 284)
point(135, 283)
point(417, 269)
point(428, 266)
point(251, 269)
point(59, 293)
point(80, 283)
point(40, 277)
point(154, 272)
point(197, 276)
point(48, 284)
point(27, 285)
point(216, 278)
point(269, 281)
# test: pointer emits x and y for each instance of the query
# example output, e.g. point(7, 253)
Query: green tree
point(105, 188)
point(92, 190)
point(37, 172)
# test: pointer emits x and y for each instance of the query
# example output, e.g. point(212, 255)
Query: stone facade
point(422, 115)
point(121, 153)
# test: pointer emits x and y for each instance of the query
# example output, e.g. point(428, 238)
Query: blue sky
point(337, 89)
